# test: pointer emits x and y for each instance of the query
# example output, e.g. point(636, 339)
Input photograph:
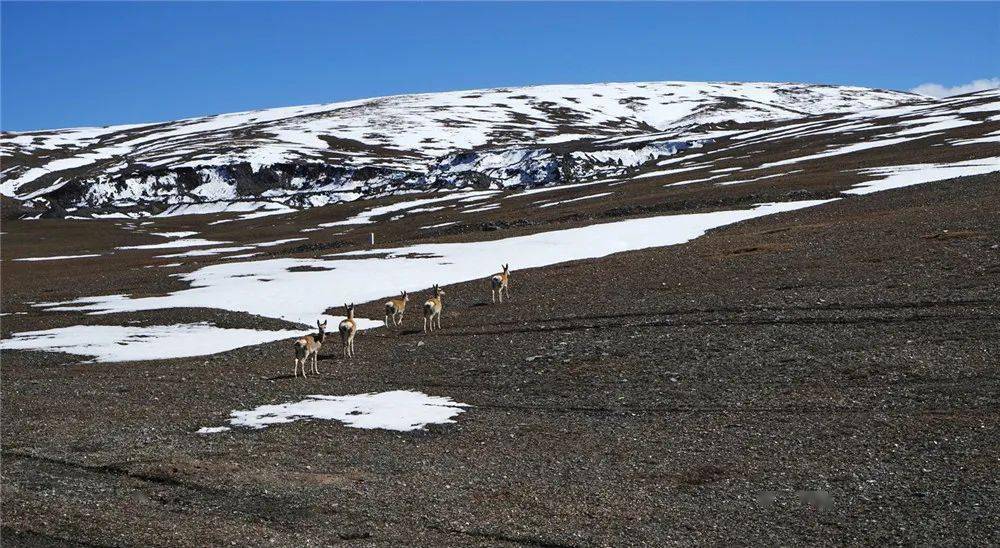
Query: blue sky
point(67, 64)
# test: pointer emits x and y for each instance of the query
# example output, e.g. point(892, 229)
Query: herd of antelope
point(307, 348)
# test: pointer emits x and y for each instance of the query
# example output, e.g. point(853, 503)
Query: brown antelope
point(347, 329)
point(500, 282)
point(308, 347)
point(394, 309)
point(433, 308)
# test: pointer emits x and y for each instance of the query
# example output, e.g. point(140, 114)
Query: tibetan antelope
point(394, 309)
point(347, 329)
point(500, 283)
point(308, 347)
point(433, 308)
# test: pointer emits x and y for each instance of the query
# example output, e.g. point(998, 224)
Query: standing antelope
point(347, 330)
point(308, 347)
point(394, 309)
point(499, 283)
point(433, 308)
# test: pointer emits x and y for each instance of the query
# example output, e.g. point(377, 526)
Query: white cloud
point(937, 90)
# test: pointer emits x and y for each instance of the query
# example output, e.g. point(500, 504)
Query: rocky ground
point(824, 376)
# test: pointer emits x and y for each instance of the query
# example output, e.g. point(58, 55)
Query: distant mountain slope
point(312, 155)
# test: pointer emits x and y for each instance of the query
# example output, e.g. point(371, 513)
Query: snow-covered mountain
point(313, 155)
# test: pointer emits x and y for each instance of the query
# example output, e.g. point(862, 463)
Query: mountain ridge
point(310, 155)
point(133, 125)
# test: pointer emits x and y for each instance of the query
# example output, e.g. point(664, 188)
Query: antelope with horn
point(308, 347)
point(433, 308)
point(347, 329)
point(394, 309)
point(500, 283)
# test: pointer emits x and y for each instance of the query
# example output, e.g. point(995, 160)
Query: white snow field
point(347, 277)
point(115, 343)
point(367, 275)
point(399, 410)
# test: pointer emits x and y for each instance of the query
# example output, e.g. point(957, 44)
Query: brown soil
point(825, 376)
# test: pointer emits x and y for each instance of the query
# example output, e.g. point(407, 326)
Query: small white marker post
point(372, 239)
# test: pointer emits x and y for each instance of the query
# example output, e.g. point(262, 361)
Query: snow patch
point(915, 174)
point(58, 257)
point(212, 429)
point(179, 234)
point(560, 202)
point(439, 225)
point(183, 242)
point(398, 410)
point(115, 343)
point(367, 216)
point(847, 149)
point(489, 207)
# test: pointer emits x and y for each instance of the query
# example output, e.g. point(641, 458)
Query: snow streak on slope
point(59, 257)
point(868, 139)
point(360, 277)
point(908, 175)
